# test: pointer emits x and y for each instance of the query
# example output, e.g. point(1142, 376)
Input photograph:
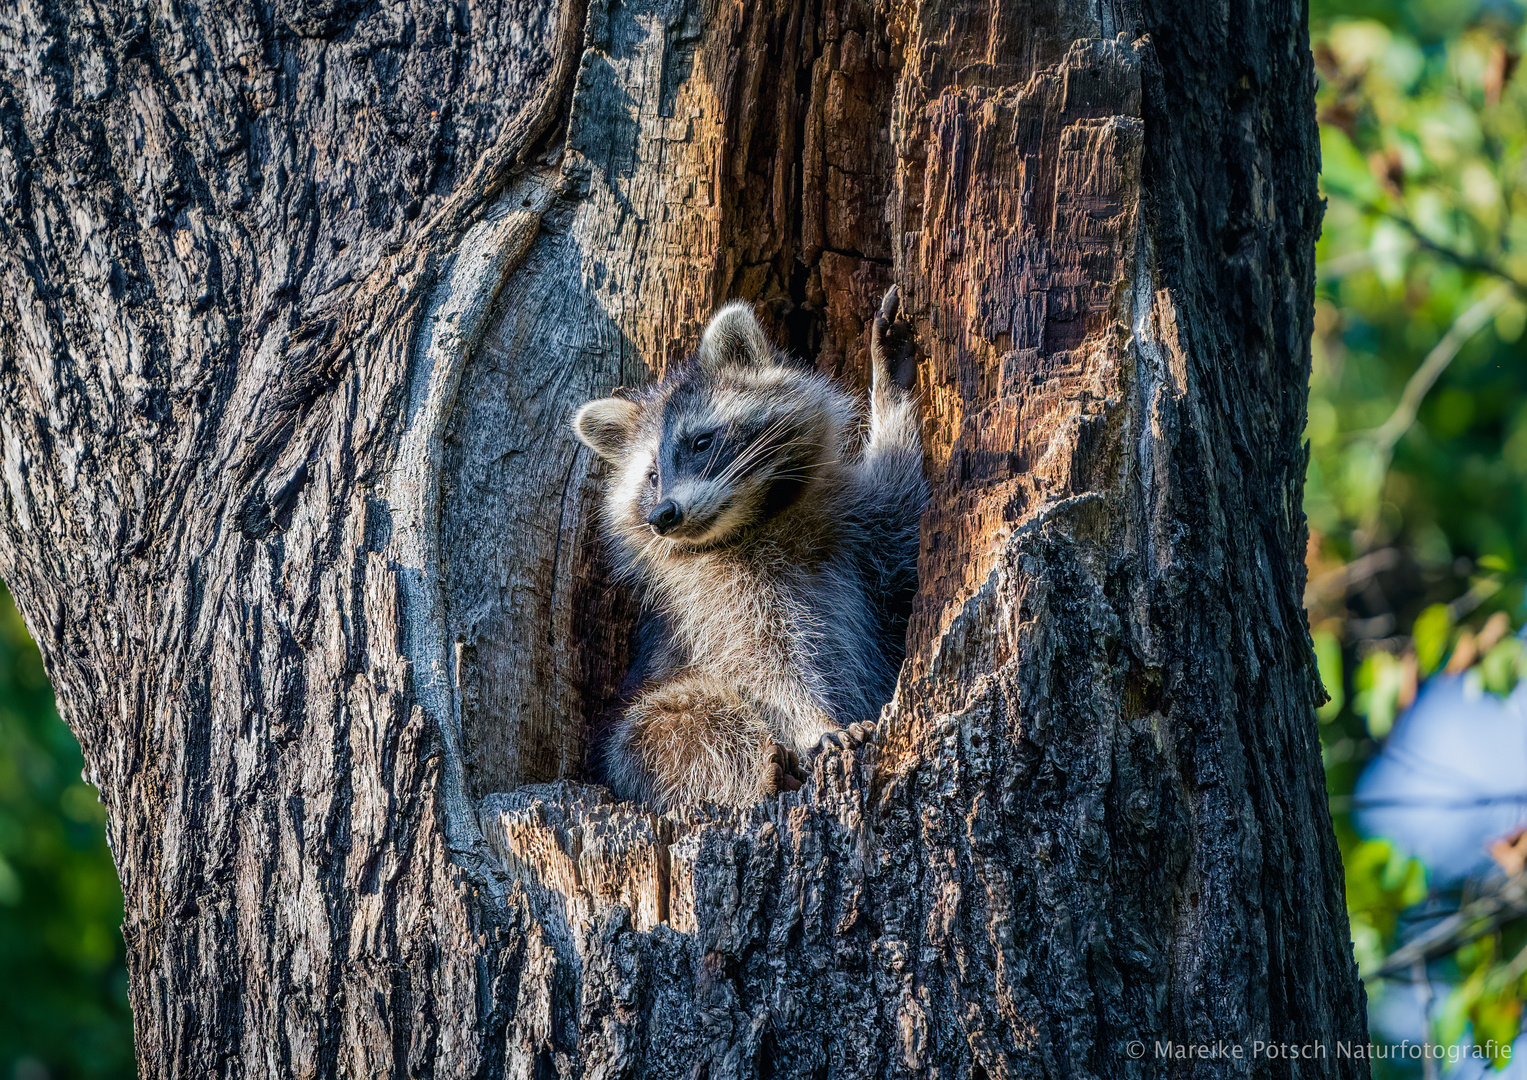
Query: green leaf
point(1378, 681)
point(1432, 633)
point(1502, 667)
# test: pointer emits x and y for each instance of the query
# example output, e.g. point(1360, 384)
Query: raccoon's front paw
point(849, 737)
point(782, 770)
point(891, 344)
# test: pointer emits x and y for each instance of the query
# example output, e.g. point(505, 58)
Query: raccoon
point(773, 533)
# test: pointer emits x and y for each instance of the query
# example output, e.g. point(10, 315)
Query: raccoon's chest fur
point(748, 615)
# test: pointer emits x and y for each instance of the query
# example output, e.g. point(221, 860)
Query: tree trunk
point(297, 301)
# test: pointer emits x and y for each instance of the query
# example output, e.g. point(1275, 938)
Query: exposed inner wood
point(695, 173)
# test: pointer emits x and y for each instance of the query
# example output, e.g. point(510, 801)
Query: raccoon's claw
point(849, 737)
point(782, 771)
point(891, 344)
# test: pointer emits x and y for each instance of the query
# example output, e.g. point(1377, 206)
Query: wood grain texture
point(296, 304)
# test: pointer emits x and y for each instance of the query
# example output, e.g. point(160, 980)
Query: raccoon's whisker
point(746, 459)
point(800, 466)
point(733, 465)
point(752, 451)
point(802, 472)
point(652, 542)
point(640, 542)
point(757, 447)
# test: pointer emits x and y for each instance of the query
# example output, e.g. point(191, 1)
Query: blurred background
point(63, 986)
point(1417, 504)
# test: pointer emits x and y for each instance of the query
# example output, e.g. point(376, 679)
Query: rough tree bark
point(296, 300)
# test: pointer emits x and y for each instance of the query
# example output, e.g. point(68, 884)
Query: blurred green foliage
point(63, 986)
point(1380, 884)
point(1417, 487)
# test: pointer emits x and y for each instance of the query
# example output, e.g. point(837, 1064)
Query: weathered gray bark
point(295, 303)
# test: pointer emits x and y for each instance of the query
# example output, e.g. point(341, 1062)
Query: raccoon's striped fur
point(774, 536)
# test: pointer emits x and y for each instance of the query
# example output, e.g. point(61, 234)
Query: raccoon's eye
point(702, 443)
point(652, 478)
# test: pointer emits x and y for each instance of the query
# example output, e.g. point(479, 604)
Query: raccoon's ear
point(606, 426)
point(734, 338)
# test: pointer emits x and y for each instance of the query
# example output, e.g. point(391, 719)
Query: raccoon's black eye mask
point(700, 451)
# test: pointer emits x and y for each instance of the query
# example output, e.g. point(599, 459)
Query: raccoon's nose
point(665, 515)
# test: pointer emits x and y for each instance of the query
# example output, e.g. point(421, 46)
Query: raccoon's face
point(727, 442)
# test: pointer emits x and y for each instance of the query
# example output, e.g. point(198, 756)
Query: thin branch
point(1353, 802)
point(1478, 593)
point(1464, 327)
point(1426, 999)
point(1346, 263)
point(1500, 979)
point(1473, 920)
point(1345, 578)
point(1387, 434)
point(1463, 260)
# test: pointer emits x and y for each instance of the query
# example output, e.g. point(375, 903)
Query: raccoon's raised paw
point(782, 769)
point(891, 344)
point(849, 737)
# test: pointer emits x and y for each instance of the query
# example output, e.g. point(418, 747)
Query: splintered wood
point(1023, 261)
